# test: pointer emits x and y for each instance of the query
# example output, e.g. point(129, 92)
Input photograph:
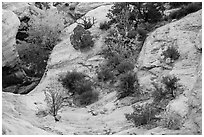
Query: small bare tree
point(54, 99)
point(87, 23)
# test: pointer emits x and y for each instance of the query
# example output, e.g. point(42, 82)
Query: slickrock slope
point(74, 120)
point(23, 114)
point(184, 34)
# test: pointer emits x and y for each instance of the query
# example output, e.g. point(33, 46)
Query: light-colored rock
point(65, 58)
point(84, 7)
point(19, 8)
point(10, 24)
point(185, 35)
point(198, 40)
point(179, 106)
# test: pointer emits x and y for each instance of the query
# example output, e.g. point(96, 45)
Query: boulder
point(10, 24)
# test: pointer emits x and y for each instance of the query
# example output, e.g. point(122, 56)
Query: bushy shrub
point(132, 34)
point(142, 34)
point(81, 39)
point(34, 58)
point(72, 80)
point(171, 53)
point(124, 67)
point(83, 86)
point(80, 87)
point(128, 85)
point(168, 91)
point(158, 93)
point(178, 4)
point(87, 22)
point(143, 115)
point(113, 61)
point(172, 121)
point(130, 12)
point(87, 98)
point(185, 10)
point(44, 29)
point(105, 25)
point(42, 5)
point(105, 75)
point(171, 84)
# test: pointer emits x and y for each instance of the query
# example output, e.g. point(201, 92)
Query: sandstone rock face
point(64, 57)
point(84, 7)
point(106, 116)
point(185, 35)
point(10, 24)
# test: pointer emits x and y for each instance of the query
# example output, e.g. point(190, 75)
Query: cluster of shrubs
point(33, 59)
point(177, 4)
point(172, 121)
point(148, 114)
point(81, 39)
point(128, 85)
point(143, 115)
point(185, 10)
point(105, 25)
point(79, 87)
point(168, 92)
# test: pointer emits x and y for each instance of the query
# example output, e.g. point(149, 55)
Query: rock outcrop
point(10, 24)
point(185, 35)
point(106, 116)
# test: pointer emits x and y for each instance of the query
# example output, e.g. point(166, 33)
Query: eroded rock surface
point(10, 24)
point(185, 35)
point(106, 116)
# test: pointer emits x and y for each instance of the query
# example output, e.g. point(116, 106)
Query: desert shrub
point(107, 54)
point(34, 58)
point(87, 98)
point(167, 92)
point(105, 25)
point(125, 66)
point(42, 5)
point(132, 34)
point(81, 39)
point(158, 93)
point(172, 121)
point(105, 75)
point(80, 87)
point(113, 61)
point(178, 4)
point(185, 10)
point(44, 29)
point(142, 34)
point(71, 80)
point(128, 85)
point(193, 7)
point(54, 99)
point(143, 115)
point(87, 22)
point(129, 12)
point(83, 86)
point(171, 85)
point(171, 53)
